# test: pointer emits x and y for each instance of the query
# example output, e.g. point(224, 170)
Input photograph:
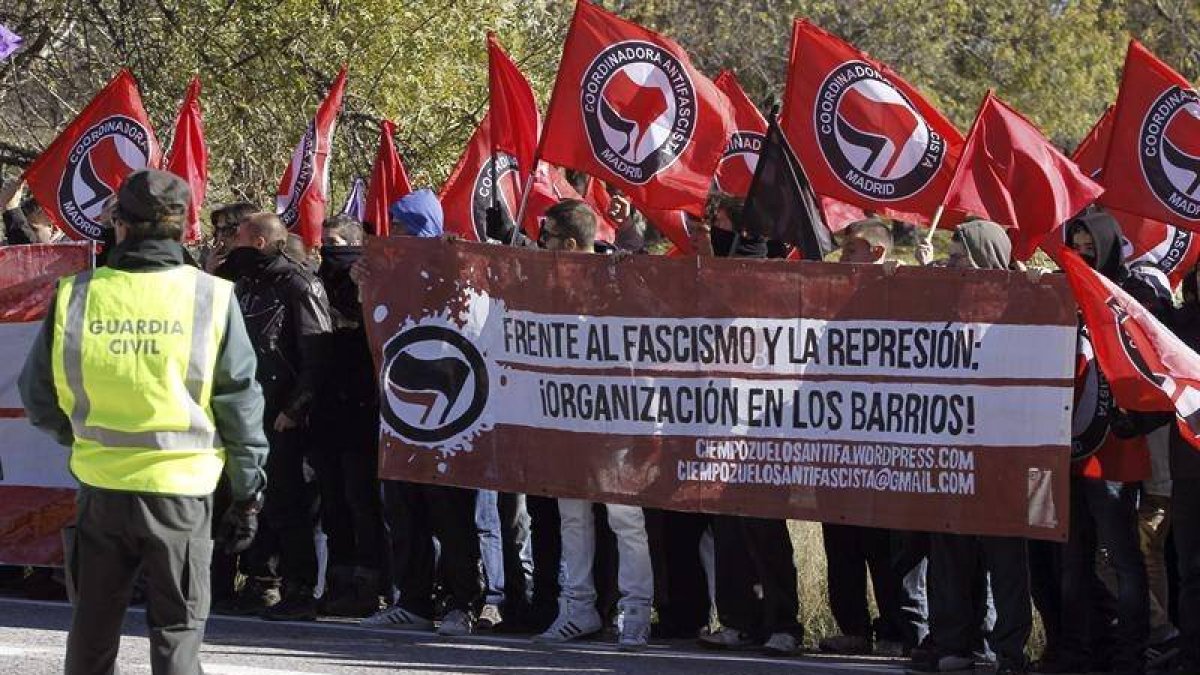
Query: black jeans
point(851, 552)
point(1104, 515)
point(1046, 567)
point(290, 511)
point(1185, 515)
point(416, 514)
point(546, 543)
point(345, 456)
point(680, 585)
point(749, 551)
point(955, 624)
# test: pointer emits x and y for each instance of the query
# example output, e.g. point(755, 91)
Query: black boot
point(298, 604)
point(256, 596)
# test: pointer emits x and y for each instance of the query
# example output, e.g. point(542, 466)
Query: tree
point(265, 66)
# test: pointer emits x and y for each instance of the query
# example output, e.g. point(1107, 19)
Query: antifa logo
point(1129, 344)
point(740, 159)
point(872, 136)
point(103, 156)
point(639, 109)
point(1169, 150)
point(1093, 405)
point(507, 177)
point(435, 384)
point(300, 177)
point(1181, 243)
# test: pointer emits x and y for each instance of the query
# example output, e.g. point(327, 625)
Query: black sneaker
point(297, 605)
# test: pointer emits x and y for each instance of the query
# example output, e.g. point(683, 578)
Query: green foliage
point(422, 63)
point(265, 67)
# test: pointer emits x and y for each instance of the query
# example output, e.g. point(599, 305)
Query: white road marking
point(586, 647)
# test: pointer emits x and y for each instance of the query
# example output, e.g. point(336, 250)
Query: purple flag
point(10, 42)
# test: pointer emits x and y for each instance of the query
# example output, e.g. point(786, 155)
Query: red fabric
point(1121, 459)
point(630, 109)
point(885, 147)
point(389, 180)
point(838, 215)
point(1147, 367)
point(673, 225)
point(304, 189)
point(736, 169)
point(1174, 250)
point(1011, 174)
point(189, 155)
point(110, 139)
point(467, 193)
point(1153, 160)
point(548, 188)
point(513, 108)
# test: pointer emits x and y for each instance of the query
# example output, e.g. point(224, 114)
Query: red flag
point(863, 134)
point(630, 109)
point(467, 193)
point(515, 119)
point(304, 189)
point(548, 188)
point(674, 226)
point(85, 165)
point(1153, 160)
point(1147, 367)
point(839, 215)
point(736, 169)
point(1011, 174)
point(188, 158)
point(389, 180)
point(1172, 249)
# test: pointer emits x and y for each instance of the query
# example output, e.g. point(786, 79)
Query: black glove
point(497, 228)
point(239, 525)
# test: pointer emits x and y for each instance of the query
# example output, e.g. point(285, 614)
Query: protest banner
point(925, 399)
point(37, 492)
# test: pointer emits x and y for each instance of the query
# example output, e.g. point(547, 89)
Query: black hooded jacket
point(1106, 234)
point(287, 317)
point(349, 352)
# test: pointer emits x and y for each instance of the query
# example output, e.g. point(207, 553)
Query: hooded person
point(985, 244)
point(345, 429)
point(1096, 236)
point(417, 214)
point(1185, 499)
point(416, 513)
point(954, 559)
point(1109, 460)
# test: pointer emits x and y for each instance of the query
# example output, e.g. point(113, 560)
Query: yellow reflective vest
point(133, 357)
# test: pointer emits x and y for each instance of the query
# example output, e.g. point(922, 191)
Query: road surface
point(33, 637)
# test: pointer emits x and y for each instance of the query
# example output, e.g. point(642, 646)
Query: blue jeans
point(503, 524)
point(1104, 515)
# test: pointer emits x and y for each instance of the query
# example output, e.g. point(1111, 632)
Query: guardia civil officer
point(144, 369)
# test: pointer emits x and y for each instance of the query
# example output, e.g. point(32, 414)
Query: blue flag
point(10, 42)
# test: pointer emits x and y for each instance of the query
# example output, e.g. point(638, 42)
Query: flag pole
point(933, 225)
point(937, 215)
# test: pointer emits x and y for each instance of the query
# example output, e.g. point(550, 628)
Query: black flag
point(780, 204)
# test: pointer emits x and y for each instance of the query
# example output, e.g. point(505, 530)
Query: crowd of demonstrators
point(1121, 595)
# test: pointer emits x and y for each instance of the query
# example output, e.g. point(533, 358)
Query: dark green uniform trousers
point(116, 534)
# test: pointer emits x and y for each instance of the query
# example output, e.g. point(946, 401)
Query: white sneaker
point(782, 644)
point(573, 622)
point(396, 617)
point(633, 628)
point(456, 623)
point(489, 618)
point(727, 638)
